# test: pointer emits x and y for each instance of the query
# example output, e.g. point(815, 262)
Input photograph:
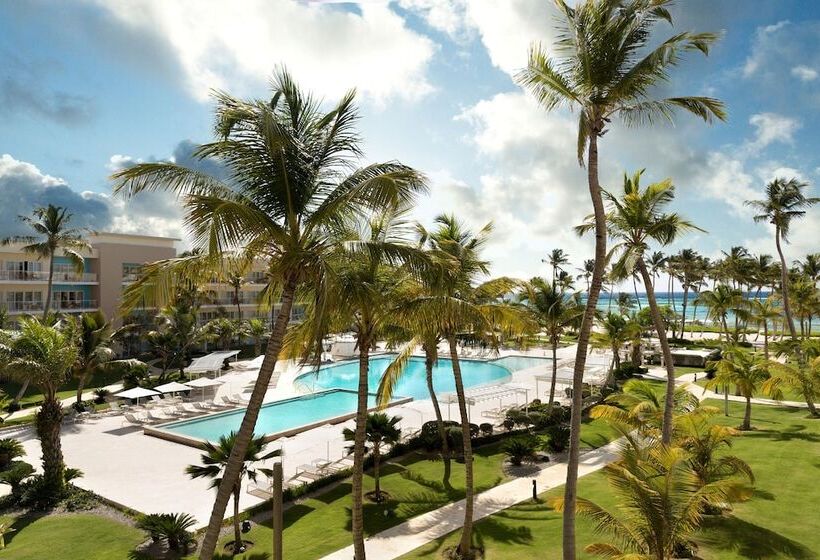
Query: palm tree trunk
point(784, 282)
point(237, 533)
point(48, 422)
point(81, 381)
point(466, 542)
point(747, 416)
point(243, 437)
point(428, 366)
point(49, 286)
point(554, 371)
point(683, 319)
point(571, 487)
point(635, 289)
point(376, 459)
point(766, 338)
point(666, 434)
point(359, 435)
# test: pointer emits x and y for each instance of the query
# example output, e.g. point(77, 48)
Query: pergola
point(210, 363)
point(487, 393)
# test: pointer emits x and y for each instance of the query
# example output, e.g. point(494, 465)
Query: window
point(24, 270)
point(24, 301)
point(69, 299)
point(131, 271)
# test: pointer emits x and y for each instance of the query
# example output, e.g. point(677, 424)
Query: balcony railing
point(27, 306)
point(42, 276)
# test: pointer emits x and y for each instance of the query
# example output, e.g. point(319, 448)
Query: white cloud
point(762, 42)
point(447, 16)
point(804, 73)
point(771, 127)
point(329, 49)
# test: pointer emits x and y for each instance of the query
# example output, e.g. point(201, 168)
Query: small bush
point(14, 475)
point(486, 429)
point(508, 424)
point(628, 370)
point(173, 528)
point(520, 449)
point(100, 395)
point(558, 438)
point(10, 449)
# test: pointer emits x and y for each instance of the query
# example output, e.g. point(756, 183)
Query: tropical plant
point(586, 271)
point(784, 202)
point(380, 430)
point(256, 330)
point(173, 528)
point(14, 474)
point(634, 219)
point(800, 372)
point(520, 449)
point(44, 356)
point(10, 449)
point(615, 332)
point(5, 528)
point(605, 62)
point(178, 331)
point(746, 371)
point(214, 461)
point(291, 185)
point(557, 259)
point(690, 264)
point(719, 303)
point(223, 331)
point(661, 502)
point(763, 313)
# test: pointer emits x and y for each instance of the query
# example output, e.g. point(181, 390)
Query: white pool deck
point(147, 474)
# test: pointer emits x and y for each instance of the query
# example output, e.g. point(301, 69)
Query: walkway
point(418, 531)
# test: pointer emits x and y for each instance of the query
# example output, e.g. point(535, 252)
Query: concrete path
point(420, 530)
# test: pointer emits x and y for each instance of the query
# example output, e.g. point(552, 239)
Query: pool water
point(274, 417)
point(413, 382)
point(515, 363)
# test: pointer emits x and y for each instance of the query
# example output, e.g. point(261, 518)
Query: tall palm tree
point(784, 202)
point(764, 312)
point(746, 371)
point(656, 262)
point(214, 462)
point(556, 259)
point(689, 262)
point(586, 271)
point(635, 218)
point(256, 330)
point(616, 330)
point(53, 237)
point(43, 354)
point(380, 430)
point(292, 181)
point(810, 266)
point(719, 303)
point(554, 313)
point(606, 62)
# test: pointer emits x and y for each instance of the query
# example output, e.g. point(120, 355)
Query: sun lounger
point(129, 418)
point(155, 418)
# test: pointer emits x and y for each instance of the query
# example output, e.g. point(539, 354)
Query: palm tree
point(783, 203)
point(53, 237)
point(719, 303)
point(380, 430)
point(214, 462)
point(556, 259)
point(43, 355)
point(256, 330)
point(706, 443)
point(179, 323)
point(764, 312)
point(94, 336)
point(616, 330)
point(634, 219)
point(810, 267)
point(554, 313)
point(744, 370)
point(660, 506)
point(801, 372)
point(656, 262)
point(586, 271)
point(689, 262)
point(603, 68)
point(293, 180)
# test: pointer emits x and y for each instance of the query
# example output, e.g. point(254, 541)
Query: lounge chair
point(154, 419)
point(129, 418)
point(190, 409)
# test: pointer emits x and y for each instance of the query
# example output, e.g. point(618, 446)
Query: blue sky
point(90, 86)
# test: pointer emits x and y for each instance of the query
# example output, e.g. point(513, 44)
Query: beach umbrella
point(172, 387)
point(136, 393)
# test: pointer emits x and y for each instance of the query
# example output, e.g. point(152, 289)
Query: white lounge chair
point(129, 418)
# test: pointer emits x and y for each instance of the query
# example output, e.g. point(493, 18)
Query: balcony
point(42, 276)
point(37, 306)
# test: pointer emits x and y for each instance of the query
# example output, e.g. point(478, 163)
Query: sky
point(88, 87)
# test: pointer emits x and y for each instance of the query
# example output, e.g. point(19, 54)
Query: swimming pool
point(345, 375)
point(276, 419)
point(515, 363)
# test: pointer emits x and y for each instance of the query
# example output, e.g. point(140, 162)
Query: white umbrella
point(172, 387)
point(202, 382)
point(136, 393)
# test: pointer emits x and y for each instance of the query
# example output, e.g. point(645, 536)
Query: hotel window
point(69, 299)
point(23, 270)
point(24, 301)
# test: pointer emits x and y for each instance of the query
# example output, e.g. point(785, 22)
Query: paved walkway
point(420, 530)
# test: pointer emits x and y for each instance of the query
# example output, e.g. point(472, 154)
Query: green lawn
point(682, 370)
point(789, 394)
point(33, 395)
point(70, 537)
point(780, 522)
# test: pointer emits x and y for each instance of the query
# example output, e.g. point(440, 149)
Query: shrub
point(508, 424)
point(520, 449)
point(173, 528)
point(14, 476)
point(486, 429)
point(10, 449)
point(100, 395)
point(558, 438)
point(627, 370)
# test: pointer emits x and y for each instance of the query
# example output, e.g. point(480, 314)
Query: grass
point(70, 537)
point(778, 523)
point(683, 370)
point(33, 397)
point(789, 393)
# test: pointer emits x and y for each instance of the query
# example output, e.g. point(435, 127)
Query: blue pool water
point(515, 363)
point(274, 417)
point(413, 383)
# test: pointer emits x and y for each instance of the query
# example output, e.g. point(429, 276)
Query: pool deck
point(146, 473)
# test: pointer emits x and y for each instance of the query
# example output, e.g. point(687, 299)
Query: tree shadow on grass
point(22, 522)
point(730, 533)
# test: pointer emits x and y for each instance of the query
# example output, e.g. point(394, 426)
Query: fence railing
point(42, 276)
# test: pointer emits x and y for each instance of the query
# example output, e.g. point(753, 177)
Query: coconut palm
point(660, 504)
point(256, 330)
point(800, 372)
point(53, 237)
point(635, 218)
point(554, 313)
point(292, 181)
point(556, 259)
point(43, 355)
point(380, 430)
point(602, 67)
point(810, 267)
point(214, 462)
point(784, 202)
point(586, 271)
point(764, 312)
point(656, 262)
point(179, 324)
point(689, 263)
point(746, 371)
point(615, 332)
point(719, 303)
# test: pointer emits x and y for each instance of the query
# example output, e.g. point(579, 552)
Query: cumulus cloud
point(447, 16)
point(329, 48)
point(771, 127)
point(804, 73)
